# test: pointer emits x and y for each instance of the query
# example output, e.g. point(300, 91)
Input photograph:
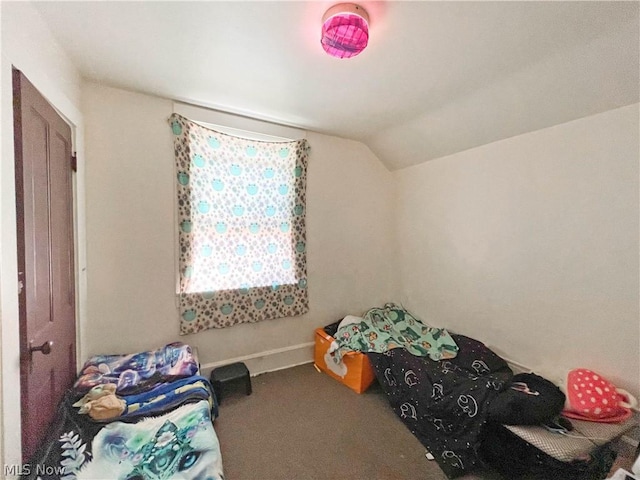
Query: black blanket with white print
point(444, 403)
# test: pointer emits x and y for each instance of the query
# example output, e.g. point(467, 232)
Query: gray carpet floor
point(300, 424)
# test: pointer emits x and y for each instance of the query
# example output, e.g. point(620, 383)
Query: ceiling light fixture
point(345, 30)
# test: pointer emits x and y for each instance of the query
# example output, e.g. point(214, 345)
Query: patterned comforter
point(164, 430)
point(390, 327)
point(136, 372)
point(444, 403)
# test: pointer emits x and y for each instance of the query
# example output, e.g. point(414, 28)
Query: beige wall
point(531, 245)
point(130, 235)
point(28, 45)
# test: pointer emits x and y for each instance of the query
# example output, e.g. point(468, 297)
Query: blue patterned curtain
point(241, 215)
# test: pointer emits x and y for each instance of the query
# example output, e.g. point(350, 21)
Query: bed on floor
point(147, 415)
point(439, 384)
point(450, 390)
point(444, 403)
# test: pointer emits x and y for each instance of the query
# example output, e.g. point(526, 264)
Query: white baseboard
point(269, 360)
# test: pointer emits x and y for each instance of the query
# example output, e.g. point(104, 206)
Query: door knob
point(45, 348)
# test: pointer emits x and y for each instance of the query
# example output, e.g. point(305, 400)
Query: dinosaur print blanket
point(444, 403)
point(383, 329)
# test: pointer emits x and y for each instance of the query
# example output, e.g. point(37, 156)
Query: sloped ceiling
point(437, 77)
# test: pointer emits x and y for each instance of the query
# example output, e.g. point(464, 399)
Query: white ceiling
point(437, 77)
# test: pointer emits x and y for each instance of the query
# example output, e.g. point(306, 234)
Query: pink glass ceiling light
point(345, 30)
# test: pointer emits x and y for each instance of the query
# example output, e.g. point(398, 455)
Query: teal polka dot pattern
point(203, 206)
point(213, 142)
point(251, 150)
point(241, 209)
point(269, 173)
point(185, 226)
point(183, 178)
point(198, 161)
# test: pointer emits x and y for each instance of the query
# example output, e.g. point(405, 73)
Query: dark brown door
point(44, 199)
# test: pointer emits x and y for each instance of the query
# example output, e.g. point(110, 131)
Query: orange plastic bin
point(358, 372)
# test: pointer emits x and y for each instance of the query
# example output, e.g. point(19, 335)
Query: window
point(241, 218)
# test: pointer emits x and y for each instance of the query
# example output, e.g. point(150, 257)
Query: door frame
point(54, 91)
